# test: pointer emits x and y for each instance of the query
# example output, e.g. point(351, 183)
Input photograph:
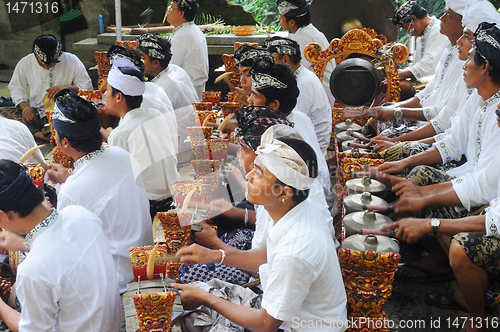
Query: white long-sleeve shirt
point(305, 36)
point(447, 78)
point(313, 102)
point(16, 140)
point(190, 52)
point(104, 182)
point(478, 137)
point(69, 71)
point(492, 222)
point(428, 49)
point(68, 280)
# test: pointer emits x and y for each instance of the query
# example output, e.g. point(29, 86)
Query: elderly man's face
point(451, 23)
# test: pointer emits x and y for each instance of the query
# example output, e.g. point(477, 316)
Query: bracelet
point(24, 109)
point(246, 217)
point(223, 255)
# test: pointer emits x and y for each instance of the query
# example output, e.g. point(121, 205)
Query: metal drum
point(365, 184)
point(345, 136)
point(364, 220)
point(348, 124)
point(355, 82)
point(354, 203)
point(378, 243)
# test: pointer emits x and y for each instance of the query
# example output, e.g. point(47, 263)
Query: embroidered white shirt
point(16, 140)
point(181, 92)
point(478, 137)
point(104, 182)
point(313, 102)
point(450, 114)
point(190, 52)
point(68, 280)
point(69, 71)
point(492, 222)
point(147, 135)
point(302, 281)
point(428, 49)
point(447, 78)
point(305, 36)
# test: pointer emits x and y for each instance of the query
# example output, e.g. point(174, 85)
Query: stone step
point(109, 38)
point(84, 50)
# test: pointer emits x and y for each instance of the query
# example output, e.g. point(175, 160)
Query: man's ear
point(275, 105)
point(156, 63)
point(292, 23)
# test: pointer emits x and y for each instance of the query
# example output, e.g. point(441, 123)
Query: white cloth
point(69, 71)
point(428, 49)
point(302, 281)
point(450, 114)
point(482, 11)
point(190, 52)
point(16, 140)
point(104, 183)
point(68, 281)
point(128, 84)
point(478, 137)
point(492, 222)
point(447, 79)
point(179, 88)
point(313, 102)
point(148, 136)
point(305, 36)
point(458, 6)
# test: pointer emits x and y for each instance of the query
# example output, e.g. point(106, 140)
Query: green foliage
point(264, 11)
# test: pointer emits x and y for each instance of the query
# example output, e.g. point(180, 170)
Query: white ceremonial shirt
point(478, 137)
point(181, 92)
point(313, 102)
point(305, 36)
point(450, 114)
point(104, 183)
point(148, 135)
point(447, 78)
point(190, 52)
point(16, 140)
point(492, 222)
point(428, 49)
point(69, 71)
point(68, 281)
point(301, 280)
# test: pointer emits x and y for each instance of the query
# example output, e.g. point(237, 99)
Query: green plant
point(264, 11)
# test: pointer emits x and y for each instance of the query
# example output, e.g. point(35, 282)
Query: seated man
point(16, 140)
point(45, 71)
point(144, 133)
point(103, 181)
point(244, 56)
point(427, 103)
point(312, 100)
point(173, 79)
point(430, 43)
point(189, 46)
point(67, 281)
point(296, 18)
point(299, 268)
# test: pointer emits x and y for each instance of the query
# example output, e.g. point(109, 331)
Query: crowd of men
point(442, 143)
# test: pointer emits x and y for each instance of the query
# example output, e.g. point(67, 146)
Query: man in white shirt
point(296, 18)
point(189, 46)
point(68, 280)
point(104, 181)
point(45, 71)
point(430, 43)
point(16, 140)
point(143, 132)
point(427, 103)
point(312, 100)
point(156, 54)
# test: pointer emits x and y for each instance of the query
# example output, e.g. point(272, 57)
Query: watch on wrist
point(435, 223)
point(398, 113)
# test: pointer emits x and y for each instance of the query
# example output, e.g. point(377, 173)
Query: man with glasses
point(189, 46)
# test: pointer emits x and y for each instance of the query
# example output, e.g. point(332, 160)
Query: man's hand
point(382, 113)
point(103, 110)
point(12, 242)
point(52, 91)
point(241, 97)
point(196, 254)
point(29, 116)
point(392, 167)
point(58, 173)
point(207, 237)
point(191, 296)
point(219, 206)
point(410, 230)
point(380, 144)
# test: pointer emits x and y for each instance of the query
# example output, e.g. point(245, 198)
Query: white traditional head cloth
point(458, 6)
point(483, 11)
point(129, 85)
point(281, 160)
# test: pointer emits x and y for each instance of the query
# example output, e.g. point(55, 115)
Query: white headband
point(458, 6)
point(129, 85)
point(483, 11)
point(282, 161)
